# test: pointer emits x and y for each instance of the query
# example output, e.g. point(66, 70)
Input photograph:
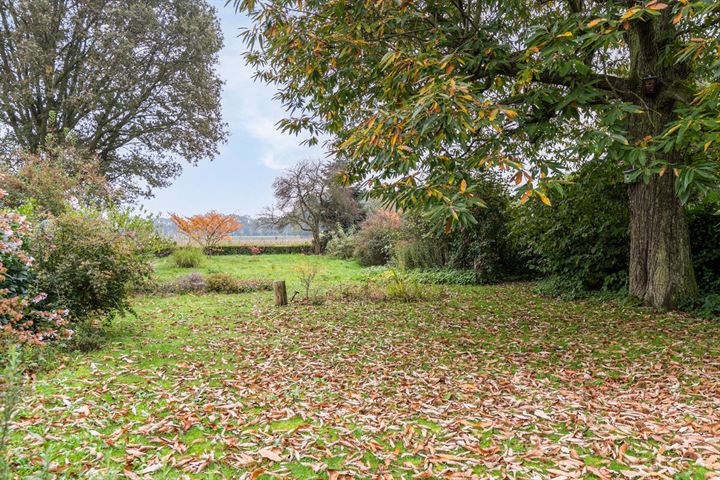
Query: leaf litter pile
point(490, 382)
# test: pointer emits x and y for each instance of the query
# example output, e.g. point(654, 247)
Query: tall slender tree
point(130, 81)
point(419, 93)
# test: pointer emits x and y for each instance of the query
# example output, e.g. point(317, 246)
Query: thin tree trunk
point(316, 242)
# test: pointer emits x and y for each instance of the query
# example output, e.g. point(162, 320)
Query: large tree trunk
point(661, 271)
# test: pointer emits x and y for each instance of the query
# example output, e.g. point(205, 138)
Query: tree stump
point(280, 293)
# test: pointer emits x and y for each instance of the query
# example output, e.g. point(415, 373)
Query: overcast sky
point(239, 180)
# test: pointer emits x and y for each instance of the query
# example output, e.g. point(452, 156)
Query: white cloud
point(251, 110)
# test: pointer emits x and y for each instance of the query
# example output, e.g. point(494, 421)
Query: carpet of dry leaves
point(487, 382)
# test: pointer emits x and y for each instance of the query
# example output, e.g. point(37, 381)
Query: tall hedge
point(581, 241)
point(704, 223)
point(485, 247)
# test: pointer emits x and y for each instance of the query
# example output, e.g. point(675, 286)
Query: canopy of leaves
point(418, 94)
point(131, 81)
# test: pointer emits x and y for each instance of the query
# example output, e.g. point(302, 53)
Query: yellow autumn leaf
point(511, 114)
point(544, 198)
point(463, 186)
point(707, 145)
point(566, 34)
point(592, 23)
point(630, 13)
point(672, 129)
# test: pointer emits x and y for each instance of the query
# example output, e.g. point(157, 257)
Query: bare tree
point(309, 197)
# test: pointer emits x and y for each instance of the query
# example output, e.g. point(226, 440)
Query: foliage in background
point(342, 243)
point(581, 241)
point(483, 246)
point(376, 237)
point(303, 248)
point(133, 82)
point(207, 230)
point(91, 261)
point(187, 257)
point(704, 223)
point(446, 276)
point(420, 96)
point(308, 196)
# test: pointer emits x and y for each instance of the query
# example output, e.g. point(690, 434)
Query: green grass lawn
point(330, 271)
point(484, 382)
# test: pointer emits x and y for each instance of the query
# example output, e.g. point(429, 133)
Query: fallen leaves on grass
point(493, 382)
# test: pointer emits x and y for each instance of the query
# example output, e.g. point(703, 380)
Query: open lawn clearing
point(330, 271)
point(491, 381)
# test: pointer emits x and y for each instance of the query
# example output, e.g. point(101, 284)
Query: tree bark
point(317, 247)
point(661, 271)
point(280, 293)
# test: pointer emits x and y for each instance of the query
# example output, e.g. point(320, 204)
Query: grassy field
point(330, 271)
point(485, 382)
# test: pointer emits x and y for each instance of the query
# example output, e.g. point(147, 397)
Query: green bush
point(581, 242)
point(221, 283)
point(253, 249)
point(377, 235)
point(91, 262)
point(342, 243)
point(704, 225)
point(485, 247)
point(187, 257)
point(402, 285)
point(88, 335)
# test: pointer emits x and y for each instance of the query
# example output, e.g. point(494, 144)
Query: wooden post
point(280, 293)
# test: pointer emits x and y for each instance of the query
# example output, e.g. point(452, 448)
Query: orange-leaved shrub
point(207, 230)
